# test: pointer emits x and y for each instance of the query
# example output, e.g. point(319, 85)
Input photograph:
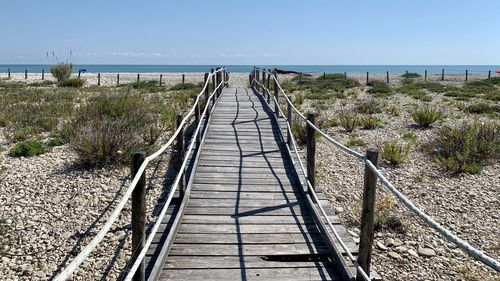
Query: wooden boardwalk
point(245, 217)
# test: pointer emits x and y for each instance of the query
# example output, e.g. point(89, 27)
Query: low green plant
point(318, 96)
point(61, 71)
point(384, 217)
point(23, 134)
point(410, 136)
point(299, 131)
point(426, 115)
point(370, 122)
point(411, 75)
point(394, 152)
point(72, 83)
point(28, 148)
point(393, 110)
point(355, 142)
point(299, 99)
point(379, 88)
point(369, 106)
point(348, 120)
point(481, 108)
point(466, 148)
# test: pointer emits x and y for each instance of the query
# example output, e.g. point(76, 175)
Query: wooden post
point(213, 85)
point(8, 73)
point(311, 152)
point(324, 75)
point(367, 77)
point(387, 74)
point(196, 121)
point(118, 79)
point(264, 92)
point(138, 213)
point(367, 214)
point(25, 74)
point(161, 76)
point(345, 75)
point(406, 73)
point(489, 74)
point(183, 79)
point(250, 80)
point(43, 73)
point(99, 79)
point(466, 75)
point(289, 118)
point(180, 155)
point(257, 86)
point(268, 79)
point(79, 73)
point(218, 80)
point(442, 75)
point(207, 95)
point(276, 97)
point(138, 77)
point(425, 75)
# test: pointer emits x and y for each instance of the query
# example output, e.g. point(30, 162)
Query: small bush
point(355, 142)
point(23, 134)
point(411, 75)
point(150, 86)
point(467, 147)
point(384, 217)
point(299, 99)
point(379, 88)
point(370, 122)
point(28, 148)
point(426, 115)
point(72, 83)
point(299, 131)
point(410, 136)
point(61, 71)
point(176, 87)
point(395, 153)
point(348, 120)
point(481, 108)
point(369, 106)
point(393, 110)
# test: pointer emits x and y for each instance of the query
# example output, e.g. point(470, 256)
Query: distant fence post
point(425, 75)
point(367, 214)
point(180, 154)
point(289, 119)
point(442, 74)
point(79, 73)
point(118, 79)
point(43, 74)
point(300, 77)
point(276, 97)
point(183, 79)
point(25, 74)
point(206, 93)
point(138, 213)
point(406, 73)
point(345, 75)
point(466, 75)
point(387, 74)
point(8, 73)
point(99, 79)
point(161, 76)
point(311, 152)
point(367, 77)
point(489, 74)
point(138, 77)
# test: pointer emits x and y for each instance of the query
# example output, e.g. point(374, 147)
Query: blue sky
point(251, 32)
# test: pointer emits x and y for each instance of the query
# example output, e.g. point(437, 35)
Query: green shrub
point(355, 142)
point(299, 131)
point(394, 152)
point(72, 83)
point(393, 110)
point(41, 84)
point(348, 120)
point(480, 108)
point(369, 106)
point(318, 96)
point(369, 122)
point(331, 76)
point(152, 86)
point(299, 99)
point(411, 75)
point(61, 71)
point(55, 142)
point(426, 115)
point(410, 136)
point(288, 86)
point(110, 127)
point(27, 148)
point(466, 148)
point(379, 88)
point(494, 80)
point(180, 86)
point(23, 134)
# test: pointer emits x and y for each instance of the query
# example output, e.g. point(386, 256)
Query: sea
point(123, 68)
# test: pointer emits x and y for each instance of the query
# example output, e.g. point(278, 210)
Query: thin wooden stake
point(289, 118)
point(367, 77)
point(466, 75)
point(161, 77)
point(99, 79)
point(43, 74)
point(79, 73)
point(8, 73)
point(196, 121)
point(442, 74)
point(26, 74)
point(180, 156)
point(118, 79)
point(367, 215)
point(345, 75)
point(276, 97)
point(311, 152)
point(138, 214)
point(387, 74)
point(489, 74)
point(138, 77)
point(425, 75)
point(183, 79)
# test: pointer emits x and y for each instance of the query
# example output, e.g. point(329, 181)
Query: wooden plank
point(241, 181)
point(209, 195)
point(299, 209)
point(260, 220)
point(274, 238)
point(250, 274)
point(243, 187)
point(248, 228)
point(247, 250)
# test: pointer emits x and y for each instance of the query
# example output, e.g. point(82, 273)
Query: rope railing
point(80, 258)
point(476, 253)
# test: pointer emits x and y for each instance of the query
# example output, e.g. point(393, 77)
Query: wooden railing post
point(118, 79)
point(311, 152)
point(367, 77)
point(98, 79)
point(466, 75)
point(43, 73)
point(387, 74)
point(197, 120)
point(183, 79)
point(138, 214)
point(79, 73)
point(258, 80)
point(161, 76)
point(268, 77)
point(180, 155)
point(138, 77)
point(250, 80)
point(276, 97)
point(218, 80)
point(264, 92)
point(489, 74)
point(442, 74)
point(367, 214)
point(8, 73)
point(205, 78)
point(213, 85)
point(289, 118)
point(25, 74)
point(425, 75)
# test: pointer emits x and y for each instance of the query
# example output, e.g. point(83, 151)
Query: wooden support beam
point(276, 105)
point(206, 93)
point(180, 156)
point(98, 79)
point(43, 74)
point(138, 214)
point(161, 76)
point(289, 118)
point(311, 152)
